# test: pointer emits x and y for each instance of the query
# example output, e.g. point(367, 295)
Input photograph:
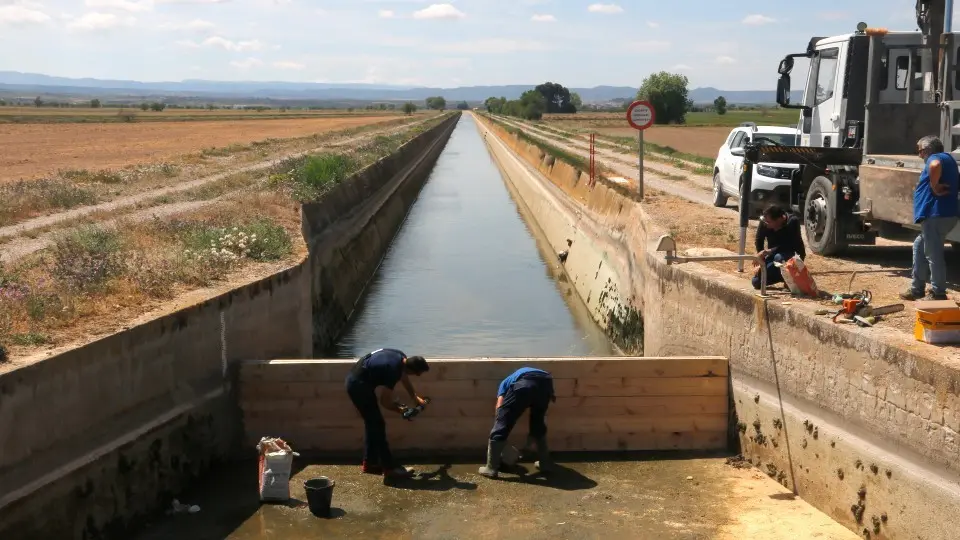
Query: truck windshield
point(782, 139)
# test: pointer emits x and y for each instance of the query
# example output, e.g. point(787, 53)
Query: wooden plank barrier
point(617, 403)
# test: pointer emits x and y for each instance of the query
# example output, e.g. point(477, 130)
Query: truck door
point(827, 96)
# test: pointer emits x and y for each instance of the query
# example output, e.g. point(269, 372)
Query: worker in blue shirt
point(935, 210)
point(526, 388)
point(383, 367)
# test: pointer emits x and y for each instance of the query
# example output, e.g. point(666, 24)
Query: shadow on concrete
point(559, 477)
point(783, 497)
point(439, 480)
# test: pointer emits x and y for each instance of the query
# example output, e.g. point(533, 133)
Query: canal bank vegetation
point(94, 277)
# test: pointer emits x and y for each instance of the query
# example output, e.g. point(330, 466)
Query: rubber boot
point(544, 464)
point(526, 453)
point(494, 449)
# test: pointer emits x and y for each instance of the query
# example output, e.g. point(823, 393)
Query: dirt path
point(17, 248)
point(36, 150)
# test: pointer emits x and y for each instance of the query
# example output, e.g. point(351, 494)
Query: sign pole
point(640, 116)
point(640, 164)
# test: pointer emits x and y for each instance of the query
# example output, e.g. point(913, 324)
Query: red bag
point(798, 278)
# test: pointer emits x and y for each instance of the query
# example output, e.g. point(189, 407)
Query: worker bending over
point(383, 367)
point(783, 238)
point(526, 388)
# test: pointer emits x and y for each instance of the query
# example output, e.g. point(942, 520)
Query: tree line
point(549, 97)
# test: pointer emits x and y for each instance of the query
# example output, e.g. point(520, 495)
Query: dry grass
point(19, 115)
point(95, 273)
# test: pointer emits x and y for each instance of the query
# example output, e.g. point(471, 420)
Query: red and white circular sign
point(640, 115)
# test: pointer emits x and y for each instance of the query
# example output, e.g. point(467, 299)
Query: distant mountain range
point(33, 83)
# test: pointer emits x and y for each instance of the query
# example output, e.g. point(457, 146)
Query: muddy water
point(467, 276)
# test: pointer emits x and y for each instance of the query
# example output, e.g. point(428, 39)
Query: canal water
point(467, 276)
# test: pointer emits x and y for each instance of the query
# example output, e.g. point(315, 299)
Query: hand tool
point(411, 412)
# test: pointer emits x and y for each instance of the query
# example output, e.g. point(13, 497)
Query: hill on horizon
point(34, 83)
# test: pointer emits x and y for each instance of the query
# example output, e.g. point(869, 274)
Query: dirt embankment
point(36, 150)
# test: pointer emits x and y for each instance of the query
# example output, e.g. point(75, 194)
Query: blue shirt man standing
point(525, 388)
point(935, 210)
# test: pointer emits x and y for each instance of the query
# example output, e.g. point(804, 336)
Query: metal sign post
point(640, 116)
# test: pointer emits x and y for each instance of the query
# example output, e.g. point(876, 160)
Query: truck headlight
point(764, 170)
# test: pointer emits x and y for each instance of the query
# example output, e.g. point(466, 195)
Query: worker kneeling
point(383, 367)
point(526, 388)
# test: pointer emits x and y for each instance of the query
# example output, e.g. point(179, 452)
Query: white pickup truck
point(771, 182)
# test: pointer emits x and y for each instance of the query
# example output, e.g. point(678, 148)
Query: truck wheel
point(719, 199)
point(820, 220)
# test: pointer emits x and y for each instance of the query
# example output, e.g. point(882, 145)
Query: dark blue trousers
point(376, 451)
point(529, 392)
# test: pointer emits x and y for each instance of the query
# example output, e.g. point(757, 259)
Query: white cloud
point(646, 46)
point(543, 18)
point(681, 67)
point(247, 64)
point(493, 46)
point(726, 60)
point(123, 5)
point(287, 64)
point(439, 11)
point(605, 8)
point(653, 24)
point(196, 25)
point(20, 14)
point(757, 20)
point(191, 1)
point(236, 46)
point(386, 14)
point(100, 21)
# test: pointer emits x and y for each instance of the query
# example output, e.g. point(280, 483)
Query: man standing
point(783, 237)
point(526, 388)
point(383, 367)
point(935, 210)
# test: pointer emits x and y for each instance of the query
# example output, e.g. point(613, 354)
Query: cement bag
point(798, 278)
point(276, 463)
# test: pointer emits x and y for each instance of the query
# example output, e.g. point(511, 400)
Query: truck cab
point(868, 97)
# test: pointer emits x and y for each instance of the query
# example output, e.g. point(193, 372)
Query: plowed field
point(36, 150)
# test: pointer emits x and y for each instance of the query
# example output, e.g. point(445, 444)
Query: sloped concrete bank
point(94, 438)
point(861, 423)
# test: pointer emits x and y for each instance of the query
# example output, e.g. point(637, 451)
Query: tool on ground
point(411, 412)
point(856, 308)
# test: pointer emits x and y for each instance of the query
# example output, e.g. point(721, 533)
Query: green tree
point(144, 106)
point(667, 92)
point(94, 103)
point(38, 102)
point(409, 108)
point(437, 103)
point(720, 105)
point(557, 98)
point(158, 107)
point(495, 105)
point(463, 106)
point(576, 101)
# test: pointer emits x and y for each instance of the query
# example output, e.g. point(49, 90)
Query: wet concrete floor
point(467, 276)
point(672, 496)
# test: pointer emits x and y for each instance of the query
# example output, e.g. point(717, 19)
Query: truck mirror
point(737, 152)
point(783, 90)
point(786, 66)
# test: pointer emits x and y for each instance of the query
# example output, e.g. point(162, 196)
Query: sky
point(441, 43)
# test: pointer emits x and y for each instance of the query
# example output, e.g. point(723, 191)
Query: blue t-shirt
point(508, 382)
point(384, 367)
point(925, 203)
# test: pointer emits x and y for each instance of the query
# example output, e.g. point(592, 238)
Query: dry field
point(118, 114)
point(699, 141)
point(37, 150)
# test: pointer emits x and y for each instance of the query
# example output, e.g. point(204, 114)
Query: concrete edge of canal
point(98, 437)
point(858, 424)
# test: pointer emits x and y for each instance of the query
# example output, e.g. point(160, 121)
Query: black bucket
point(319, 495)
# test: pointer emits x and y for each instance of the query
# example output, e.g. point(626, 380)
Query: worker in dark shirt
point(526, 388)
point(383, 367)
point(783, 238)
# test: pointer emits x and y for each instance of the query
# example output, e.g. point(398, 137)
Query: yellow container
point(938, 322)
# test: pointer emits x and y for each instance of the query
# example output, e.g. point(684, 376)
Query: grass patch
point(27, 198)
point(91, 177)
point(84, 259)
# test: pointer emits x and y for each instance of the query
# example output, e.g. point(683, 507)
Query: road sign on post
point(640, 116)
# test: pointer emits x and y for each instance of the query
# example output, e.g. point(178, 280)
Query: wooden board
point(603, 404)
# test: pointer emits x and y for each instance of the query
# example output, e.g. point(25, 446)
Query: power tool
point(411, 412)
